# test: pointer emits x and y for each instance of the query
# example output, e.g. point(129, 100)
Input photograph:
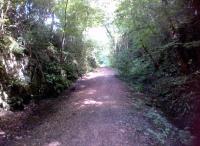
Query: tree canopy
point(158, 51)
point(43, 49)
point(154, 44)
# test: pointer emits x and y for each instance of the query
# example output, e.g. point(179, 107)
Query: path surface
point(101, 111)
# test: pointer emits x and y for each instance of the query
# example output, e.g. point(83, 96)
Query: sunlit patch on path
point(99, 112)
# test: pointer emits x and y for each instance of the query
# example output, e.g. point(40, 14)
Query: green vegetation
point(157, 52)
point(155, 46)
point(42, 48)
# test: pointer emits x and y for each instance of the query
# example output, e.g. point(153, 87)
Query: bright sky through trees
point(99, 34)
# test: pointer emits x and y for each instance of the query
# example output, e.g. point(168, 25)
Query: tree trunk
point(155, 63)
point(64, 33)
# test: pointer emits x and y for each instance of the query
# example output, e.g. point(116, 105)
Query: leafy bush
point(158, 52)
point(92, 62)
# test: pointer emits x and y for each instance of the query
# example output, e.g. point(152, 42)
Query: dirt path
point(100, 112)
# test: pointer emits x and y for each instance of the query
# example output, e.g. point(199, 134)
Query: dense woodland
point(42, 48)
point(154, 45)
point(158, 52)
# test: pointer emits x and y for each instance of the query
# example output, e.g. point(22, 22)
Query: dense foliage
point(42, 47)
point(158, 51)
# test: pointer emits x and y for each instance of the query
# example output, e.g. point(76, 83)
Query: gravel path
point(101, 111)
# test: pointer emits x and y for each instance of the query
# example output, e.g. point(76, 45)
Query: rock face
point(14, 74)
point(14, 78)
point(28, 74)
point(16, 66)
